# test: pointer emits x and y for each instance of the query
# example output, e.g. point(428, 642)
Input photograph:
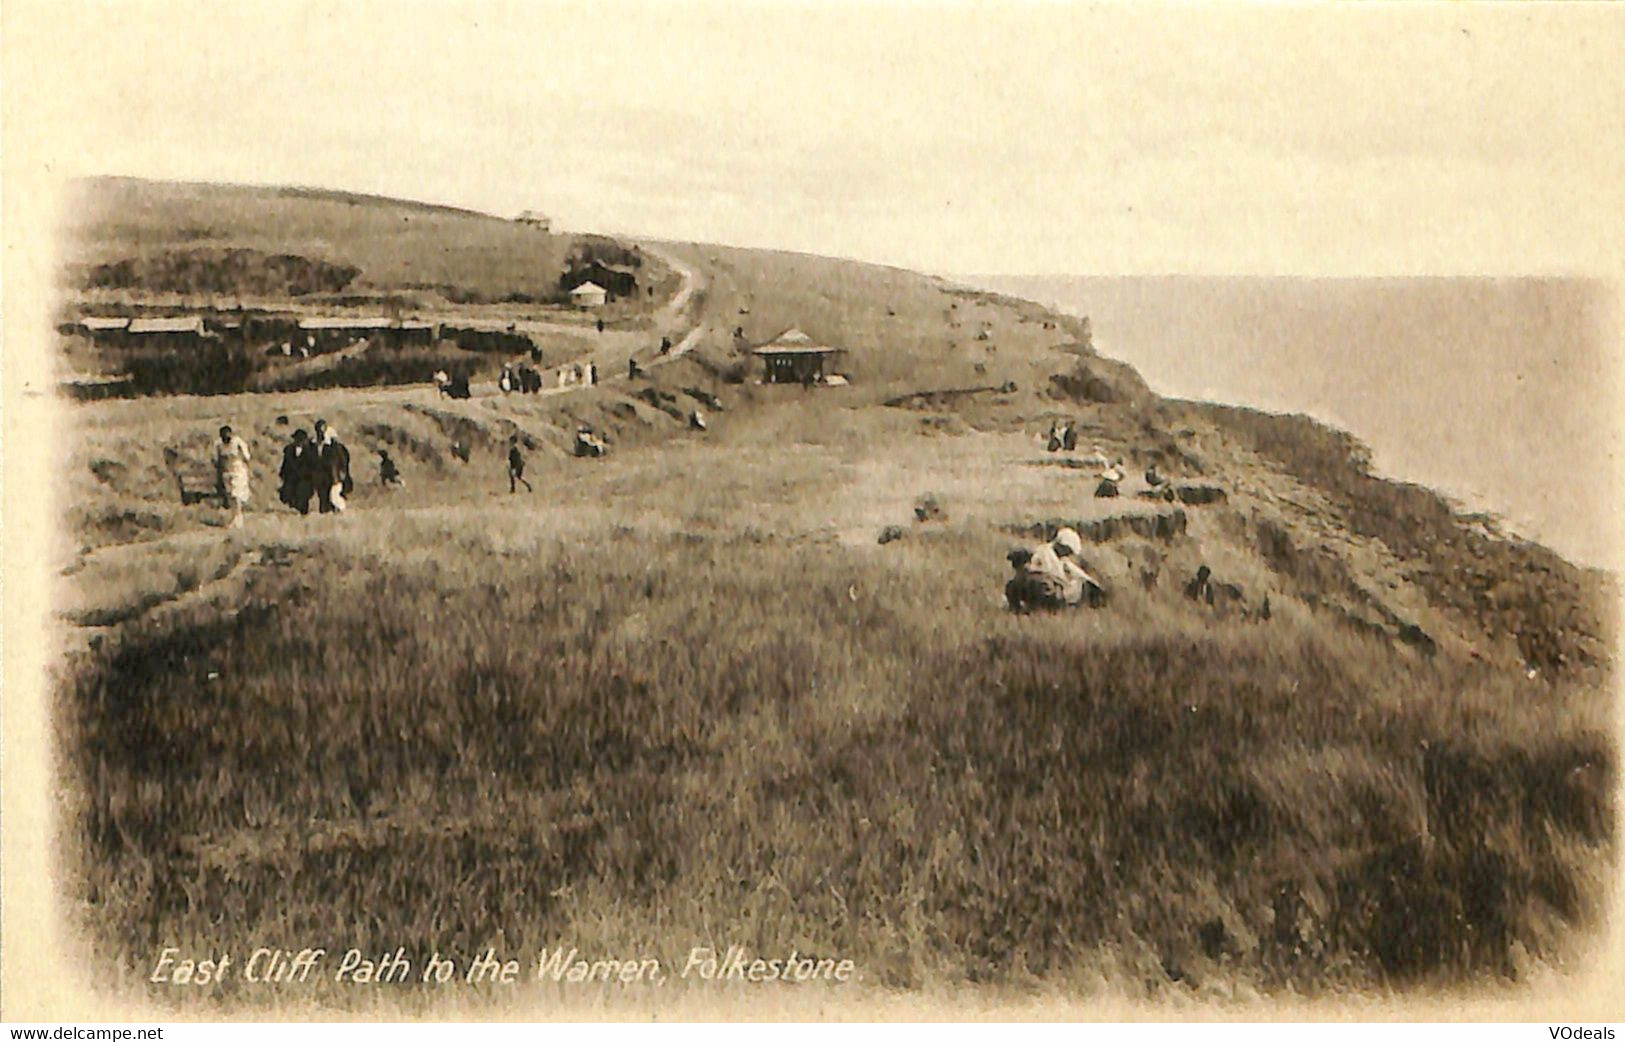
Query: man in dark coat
point(331, 470)
point(516, 466)
point(297, 458)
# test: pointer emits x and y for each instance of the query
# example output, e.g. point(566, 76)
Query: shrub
point(242, 272)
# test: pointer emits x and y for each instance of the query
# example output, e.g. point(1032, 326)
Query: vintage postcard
point(763, 511)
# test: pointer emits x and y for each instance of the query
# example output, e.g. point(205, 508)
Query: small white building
point(588, 295)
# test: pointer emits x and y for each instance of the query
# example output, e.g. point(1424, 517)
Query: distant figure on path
point(388, 473)
point(442, 382)
point(331, 470)
point(633, 371)
point(505, 381)
point(297, 461)
point(231, 470)
point(592, 373)
point(516, 467)
point(600, 325)
point(665, 345)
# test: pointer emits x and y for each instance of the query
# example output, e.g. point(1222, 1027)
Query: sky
point(956, 138)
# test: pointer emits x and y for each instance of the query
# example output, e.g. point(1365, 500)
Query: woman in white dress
point(231, 468)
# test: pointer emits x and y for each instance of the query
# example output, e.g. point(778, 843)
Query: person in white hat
point(1049, 576)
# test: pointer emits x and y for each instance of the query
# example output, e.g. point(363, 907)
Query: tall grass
point(777, 744)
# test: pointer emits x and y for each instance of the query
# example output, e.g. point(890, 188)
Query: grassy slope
point(714, 708)
point(412, 259)
point(395, 245)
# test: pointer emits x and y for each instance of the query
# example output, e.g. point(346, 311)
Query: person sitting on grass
point(1110, 478)
point(589, 444)
point(516, 467)
point(1049, 577)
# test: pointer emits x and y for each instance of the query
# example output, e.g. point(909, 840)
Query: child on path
point(516, 467)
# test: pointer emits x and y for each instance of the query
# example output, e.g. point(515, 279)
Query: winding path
point(671, 316)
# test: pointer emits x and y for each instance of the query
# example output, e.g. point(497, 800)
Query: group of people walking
point(525, 379)
point(318, 466)
point(312, 468)
point(578, 375)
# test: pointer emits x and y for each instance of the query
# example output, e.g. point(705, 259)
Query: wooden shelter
point(328, 332)
point(793, 358)
point(182, 331)
point(104, 330)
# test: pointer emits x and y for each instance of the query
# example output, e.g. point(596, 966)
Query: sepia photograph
point(757, 511)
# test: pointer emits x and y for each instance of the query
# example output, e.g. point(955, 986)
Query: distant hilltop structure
point(536, 219)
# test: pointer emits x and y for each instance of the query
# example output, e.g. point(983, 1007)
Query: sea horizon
point(1442, 377)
